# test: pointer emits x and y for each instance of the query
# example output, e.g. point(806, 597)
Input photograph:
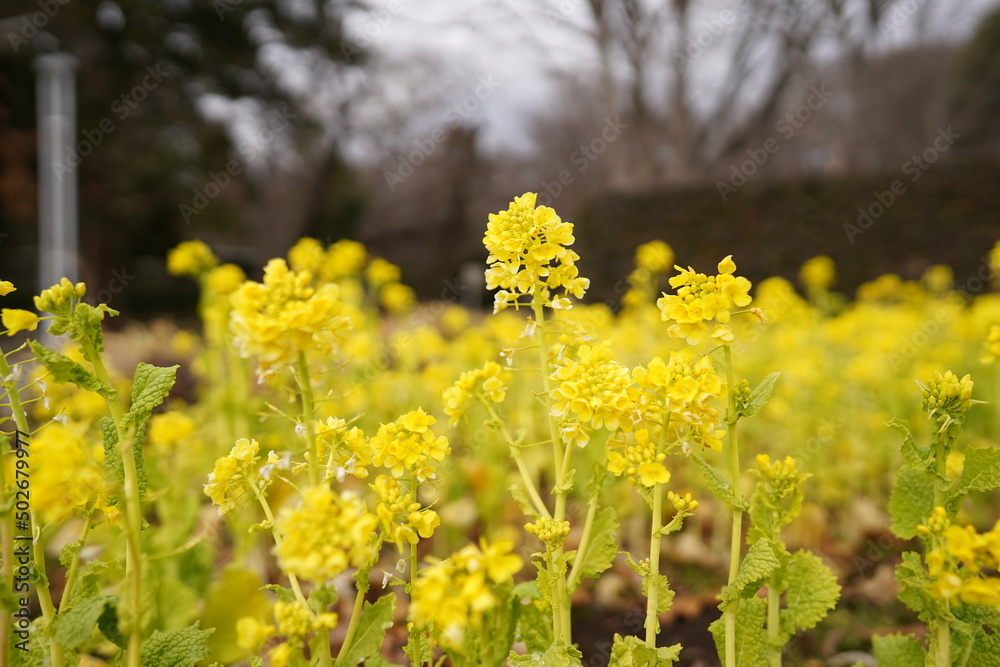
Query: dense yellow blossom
point(701, 299)
point(345, 451)
point(453, 596)
point(276, 320)
point(528, 253)
point(407, 446)
point(962, 564)
point(592, 390)
point(168, 428)
point(639, 461)
point(67, 471)
point(59, 298)
point(327, 533)
point(947, 398)
point(6, 287)
point(229, 480)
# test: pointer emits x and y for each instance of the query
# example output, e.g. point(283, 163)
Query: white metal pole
point(57, 195)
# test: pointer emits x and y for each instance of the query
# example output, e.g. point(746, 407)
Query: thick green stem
point(133, 511)
point(588, 528)
point(308, 416)
point(773, 622)
point(942, 656)
point(652, 589)
point(736, 539)
point(515, 452)
point(363, 585)
point(561, 627)
point(45, 597)
point(277, 539)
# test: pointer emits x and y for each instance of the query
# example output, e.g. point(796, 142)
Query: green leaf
point(898, 651)
point(283, 594)
point(757, 566)
point(751, 638)
point(664, 596)
point(556, 655)
point(759, 396)
point(178, 648)
point(107, 623)
point(984, 623)
point(112, 457)
point(913, 592)
point(912, 501)
point(69, 551)
point(633, 652)
point(600, 551)
point(534, 625)
point(913, 454)
point(375, 620)
point(718, 484)
point(812, 591)
point(64, 369)
point(75, 626)
point(150, 385)
point(981, 471)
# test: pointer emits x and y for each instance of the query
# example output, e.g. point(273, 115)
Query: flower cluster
point(399, 514)
point(781, 478)
point(276, 320)
point(408, 446)
point(639, 461)
point(346, 451)
point(528, 255)
point(232, 475)
point(488, 382)
point(700, 299)
point(454, 595)
point(947, 398)
point(325, 534)
point(591, 392)
point(686, 391)
point(552, 532)
point(961, 563)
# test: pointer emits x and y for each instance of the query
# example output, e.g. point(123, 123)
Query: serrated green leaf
point(256, 661)
point(534, 625)
point(285, 595)
point(812, 591)
point(984, 623)
point(30, 652)
point(69, 551)
point(150, 386)
point(112, 457)
point(556, 655)
point(718, 485)
point(751, 638)
point(760, 561)
point(178, 648)
point(598, 476)
point(664, 596)
point(760, 395)
point(913, 592)
point(64, 369)
point(600, 551)
point(375, 620)
point(75, 626)
point(898, 651)
point(981, 471)
point(912, 501)
point(633, 652)
point(913, 454)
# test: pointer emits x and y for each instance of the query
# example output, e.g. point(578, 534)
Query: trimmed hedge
point(949, 215)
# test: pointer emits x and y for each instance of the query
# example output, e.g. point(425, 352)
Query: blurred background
point(773, 130)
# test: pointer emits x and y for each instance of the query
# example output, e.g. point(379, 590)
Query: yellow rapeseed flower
point(228, 481)
point(701, 299)
point(191, 258)
point(6, 287)
point(327, 533)
point(16, 320)
point(408, 446)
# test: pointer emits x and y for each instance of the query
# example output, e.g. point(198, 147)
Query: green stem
point(773, 622)
point(736, 538)
point(308, 416)
point(588, 529)
point(652, 588)
point(943, 644)
point(133, 511)
point(561, 627)
point(45, 596)
point(363, 585)
point(515, 452)
point(414, 489)
point(74, 565)
point(293, 580)
point(7, 522)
